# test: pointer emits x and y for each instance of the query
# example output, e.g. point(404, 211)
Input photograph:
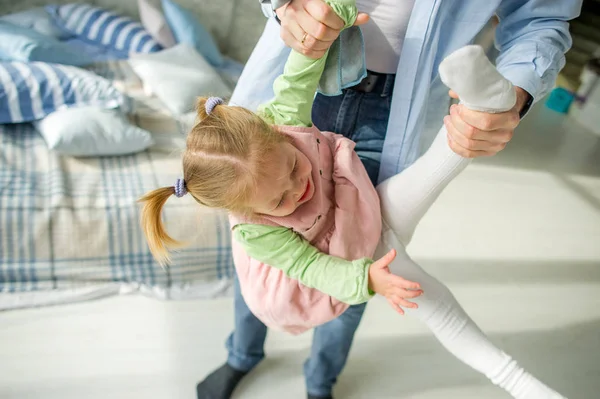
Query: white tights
point(407, 196)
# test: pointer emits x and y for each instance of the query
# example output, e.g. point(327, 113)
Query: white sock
point(407, 196)
point(480, 86)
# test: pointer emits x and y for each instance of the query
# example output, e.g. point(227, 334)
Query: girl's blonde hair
point(224, 157)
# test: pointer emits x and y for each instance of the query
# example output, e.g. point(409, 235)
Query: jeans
point(363, 118)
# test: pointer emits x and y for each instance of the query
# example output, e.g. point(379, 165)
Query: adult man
point(385, 114)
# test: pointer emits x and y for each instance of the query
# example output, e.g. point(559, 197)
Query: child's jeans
point(363, 118)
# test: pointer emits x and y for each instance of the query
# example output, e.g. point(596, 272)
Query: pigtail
point(207, 107)
point(201, 108)
point(225, 152)
point(159, 241)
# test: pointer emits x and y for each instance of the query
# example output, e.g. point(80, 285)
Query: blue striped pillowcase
point(106, 28)
point(30, 91)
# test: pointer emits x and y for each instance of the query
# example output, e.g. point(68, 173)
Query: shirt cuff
point(527, 80)
point(365, 293)
point(267, 10)
point(278, 3)
point(269, 7)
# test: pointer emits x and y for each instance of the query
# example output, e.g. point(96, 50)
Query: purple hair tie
point(211, 103)
point(180, 189)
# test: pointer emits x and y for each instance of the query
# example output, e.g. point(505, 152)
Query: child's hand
point(394, 288)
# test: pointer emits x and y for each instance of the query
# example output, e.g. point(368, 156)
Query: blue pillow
point(24, 44)
point(187, 29)
point(92, 131)
point(30, 91)
point(106, 28)
point(38, 19)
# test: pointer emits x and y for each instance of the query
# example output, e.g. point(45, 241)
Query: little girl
point(306, 220)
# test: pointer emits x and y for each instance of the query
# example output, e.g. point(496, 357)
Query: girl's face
point(288, 183)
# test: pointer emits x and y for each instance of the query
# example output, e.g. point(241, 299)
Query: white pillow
point(178, 76)
point(92, 131)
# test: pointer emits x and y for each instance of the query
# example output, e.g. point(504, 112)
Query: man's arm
point(533, 37)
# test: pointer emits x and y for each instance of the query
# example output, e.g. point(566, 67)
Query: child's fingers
point(402, 293)
point(403, 283)
point(407, 304)
point(386, 259)
point(395, 306)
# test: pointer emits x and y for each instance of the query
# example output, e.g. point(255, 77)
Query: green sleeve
point(283, 249)
point(295, 89)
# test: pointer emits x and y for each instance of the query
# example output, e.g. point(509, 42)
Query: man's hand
point(473, 134)
point(394, 288)
point(311, 26)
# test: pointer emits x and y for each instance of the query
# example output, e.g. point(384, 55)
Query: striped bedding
point(103, 27)
point(69, 228)
point(30, 91)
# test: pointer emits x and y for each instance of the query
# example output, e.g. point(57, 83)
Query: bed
point(69, 226)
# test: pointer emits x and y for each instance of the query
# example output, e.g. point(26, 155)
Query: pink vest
point(342, 219)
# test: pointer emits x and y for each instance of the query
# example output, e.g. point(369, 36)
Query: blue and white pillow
point(24, 44)
point(30, 91)
point(38, 19)
point(106, 28)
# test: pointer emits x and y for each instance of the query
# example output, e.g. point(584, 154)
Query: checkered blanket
point(69, 227)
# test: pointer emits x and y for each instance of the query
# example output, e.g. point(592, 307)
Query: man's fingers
point(319, 13)
point(470, 141)
point(310, 43)
point(486, 121)
point(468, 131)
point(361, 19)
point(315, 45)
point(290, 40)
point(466, 153)
point(291, 25)
point(452, 94)
point(473, 138)
point(473, 145)
point(499, 136)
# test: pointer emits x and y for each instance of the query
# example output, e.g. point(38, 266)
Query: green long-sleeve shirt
point(281, 247)
point(295, 89)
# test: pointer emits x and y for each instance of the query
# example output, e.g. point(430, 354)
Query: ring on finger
point(304, 37)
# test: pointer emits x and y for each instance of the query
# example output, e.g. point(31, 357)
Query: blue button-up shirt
point(532, 38)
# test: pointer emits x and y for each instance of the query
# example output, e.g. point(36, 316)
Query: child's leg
point(407, 196)
point(444, 316)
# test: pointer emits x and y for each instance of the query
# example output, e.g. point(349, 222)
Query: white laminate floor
point(516, 237)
